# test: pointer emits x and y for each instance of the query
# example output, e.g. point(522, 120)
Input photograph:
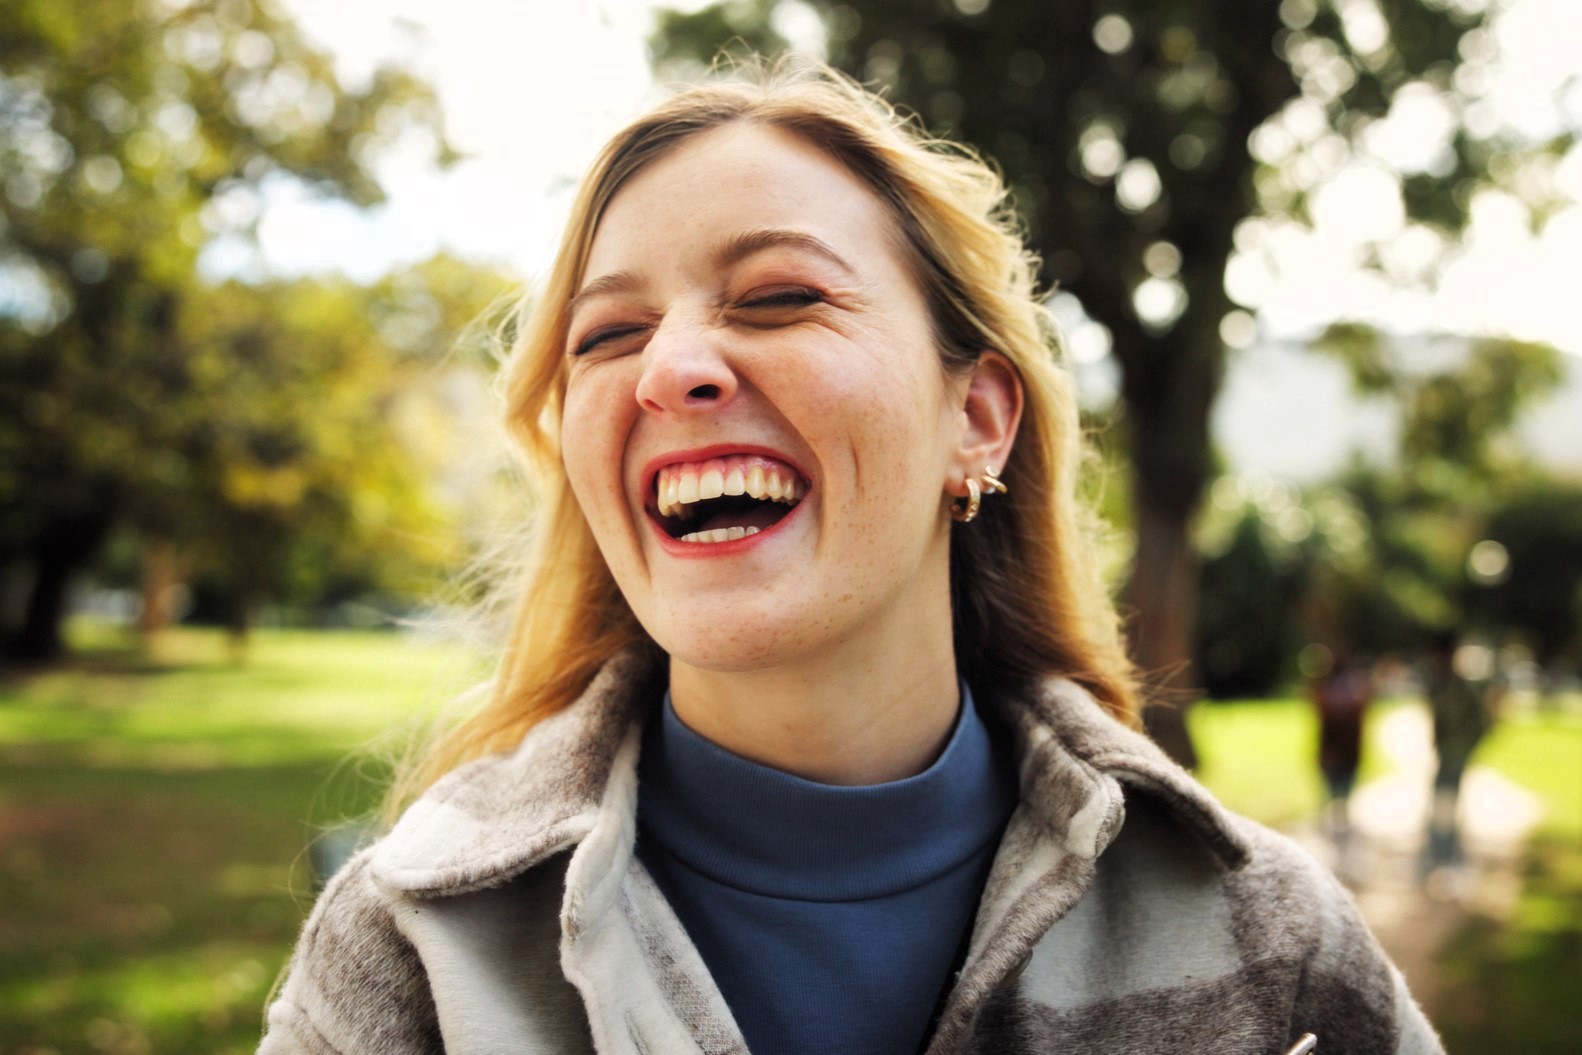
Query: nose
point(684, 369)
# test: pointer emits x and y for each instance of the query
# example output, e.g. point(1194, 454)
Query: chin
point(724, 641)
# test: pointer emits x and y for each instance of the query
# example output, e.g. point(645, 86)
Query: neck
point(866, 716)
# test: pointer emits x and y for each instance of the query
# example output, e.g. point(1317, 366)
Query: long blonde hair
point(1028, 599)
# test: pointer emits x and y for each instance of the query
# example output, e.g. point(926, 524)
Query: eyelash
point(800, 297)
point(787, 298)
point(598, 337)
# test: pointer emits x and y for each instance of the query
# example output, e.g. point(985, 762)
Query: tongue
point(759, 515)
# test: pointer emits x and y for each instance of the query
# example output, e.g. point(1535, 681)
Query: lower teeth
point(730, 534)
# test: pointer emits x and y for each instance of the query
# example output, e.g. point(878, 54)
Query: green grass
point(1260, 757)
point(296, 694)
point(153, 822)
point(1542, 751)
point(1512, 986)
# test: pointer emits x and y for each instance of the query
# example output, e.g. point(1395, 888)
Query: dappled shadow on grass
point(99, 664)
point(151, 911)
point(153, 847)
point(202, 716)
point(1512, 986)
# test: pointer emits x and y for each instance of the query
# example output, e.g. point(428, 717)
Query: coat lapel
point(571, 785)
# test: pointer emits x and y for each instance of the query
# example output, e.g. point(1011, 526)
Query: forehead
point(737, 177)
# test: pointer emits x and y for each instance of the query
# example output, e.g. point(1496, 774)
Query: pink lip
point(676, 547)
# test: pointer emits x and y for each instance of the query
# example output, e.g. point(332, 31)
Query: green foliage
point(1536, 588)
point(685, 44)
point(1246, 626)
point(1425, 505)
point(134, 133)
point(1456, 417)
point(306, 455)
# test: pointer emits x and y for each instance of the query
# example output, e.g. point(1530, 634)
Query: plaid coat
point(506, 912)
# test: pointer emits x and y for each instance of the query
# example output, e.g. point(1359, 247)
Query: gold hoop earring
point(992, 484)
point(964, 514)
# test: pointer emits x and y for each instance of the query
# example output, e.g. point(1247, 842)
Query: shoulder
point(355, 982)
point(1200, 917)
point(1278, 928)
point(1291, 908)
point(1274, 904)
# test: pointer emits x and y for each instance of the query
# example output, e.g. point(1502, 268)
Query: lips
point(723, 498)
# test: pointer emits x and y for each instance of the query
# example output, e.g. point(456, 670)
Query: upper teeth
point(679, 486)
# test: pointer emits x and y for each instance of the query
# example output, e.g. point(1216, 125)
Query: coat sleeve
point(355, 984)
point(1350, 995)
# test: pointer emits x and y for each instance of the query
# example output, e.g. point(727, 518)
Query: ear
point(993, 410)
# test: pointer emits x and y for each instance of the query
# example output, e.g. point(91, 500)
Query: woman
point(814, 732)
point(1341, 696)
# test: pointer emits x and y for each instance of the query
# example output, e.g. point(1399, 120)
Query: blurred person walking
point(1341, 696)
point(1460, 710)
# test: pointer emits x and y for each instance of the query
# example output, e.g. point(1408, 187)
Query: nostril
point(705, 392)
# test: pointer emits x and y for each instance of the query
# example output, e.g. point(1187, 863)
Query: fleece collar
point(494, 818)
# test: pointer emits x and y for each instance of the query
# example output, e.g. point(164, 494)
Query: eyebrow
point(734, 250)
point(614, 282)
point(756, 241)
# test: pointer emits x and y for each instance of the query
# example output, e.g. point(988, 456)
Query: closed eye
point(598, 337)
point(789, 297)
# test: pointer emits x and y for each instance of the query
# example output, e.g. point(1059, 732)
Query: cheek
point(590, 450)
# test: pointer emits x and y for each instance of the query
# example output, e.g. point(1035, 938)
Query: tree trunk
point(1161, 597)
point(238, 624)
point(161, 576)
point(64, 545)
point(1168, 388)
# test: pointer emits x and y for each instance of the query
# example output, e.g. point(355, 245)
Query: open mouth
point(724, 499)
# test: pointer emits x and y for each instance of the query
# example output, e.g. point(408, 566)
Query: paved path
point(1379, 861)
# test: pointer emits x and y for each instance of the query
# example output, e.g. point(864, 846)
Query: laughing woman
point(814, 732)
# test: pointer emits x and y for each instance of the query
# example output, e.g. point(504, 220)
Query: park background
point(1315, 261)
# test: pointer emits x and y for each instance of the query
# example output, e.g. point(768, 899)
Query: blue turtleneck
point(832, 918)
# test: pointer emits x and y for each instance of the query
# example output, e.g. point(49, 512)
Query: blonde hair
point(1027, 595)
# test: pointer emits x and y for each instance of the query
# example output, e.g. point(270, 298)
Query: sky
point(529, 98)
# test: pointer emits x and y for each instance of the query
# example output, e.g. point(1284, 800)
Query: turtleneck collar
point(768, 832)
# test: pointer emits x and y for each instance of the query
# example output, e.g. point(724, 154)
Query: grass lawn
point(1513, 986)
point(154, 815)
point(153, 819)
point(1260, 757)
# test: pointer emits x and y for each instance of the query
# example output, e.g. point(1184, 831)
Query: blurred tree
point(321, 466)
point(290, 480)
point(1383, 566)
point(1246, 627)
point(132, 133)
point(1137, 135)
point(1525, 574)
point(1458, 400)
